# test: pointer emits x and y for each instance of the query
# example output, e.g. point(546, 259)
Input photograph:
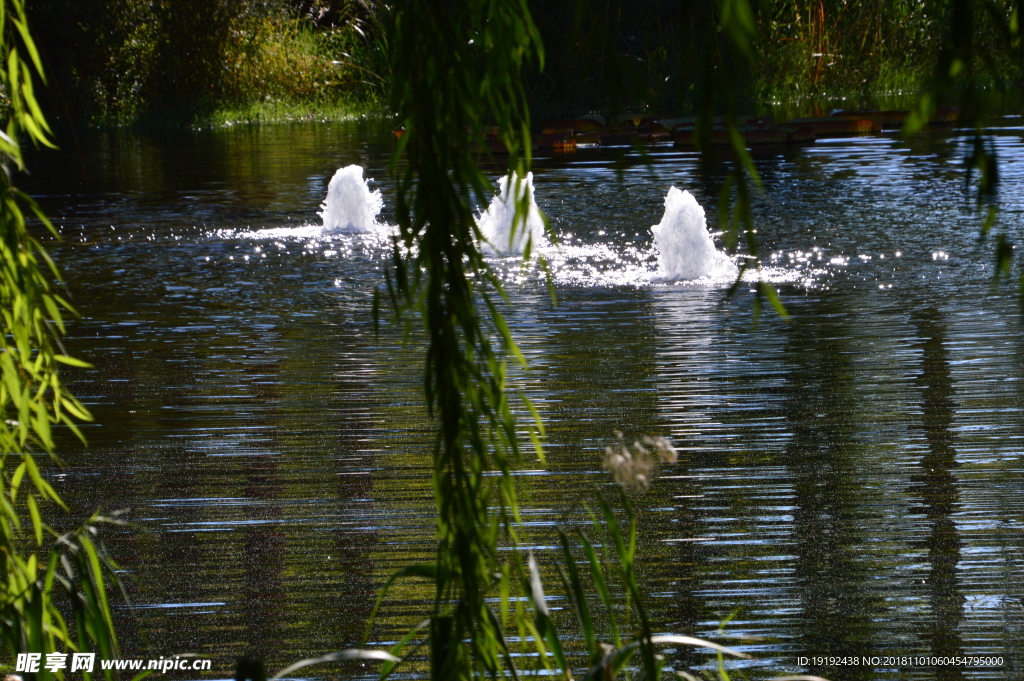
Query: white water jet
point(496, 223)
point(685, 247)
point(351, 207)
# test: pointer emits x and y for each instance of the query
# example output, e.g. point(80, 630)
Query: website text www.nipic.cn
point(86, 662)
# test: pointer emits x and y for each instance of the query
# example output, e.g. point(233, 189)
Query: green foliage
point(32, 401)
point(121, 61)
point(31, 395)
point(276, 57)
point(835, 48)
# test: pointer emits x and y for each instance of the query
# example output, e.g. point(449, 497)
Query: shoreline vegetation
point(279, 61)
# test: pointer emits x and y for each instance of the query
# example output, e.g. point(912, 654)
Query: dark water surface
point(849, 482)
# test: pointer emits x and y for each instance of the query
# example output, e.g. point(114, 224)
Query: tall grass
point(605, 632)
point(830, 48)
point(631, 54)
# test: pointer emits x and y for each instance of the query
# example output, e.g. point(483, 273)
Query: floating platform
point(593, 130)
point(834, 126)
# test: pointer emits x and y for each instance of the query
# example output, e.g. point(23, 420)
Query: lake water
point(849, 482)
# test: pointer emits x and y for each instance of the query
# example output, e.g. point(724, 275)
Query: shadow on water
point(265, 559)
point(936, 487)
point(822, 409)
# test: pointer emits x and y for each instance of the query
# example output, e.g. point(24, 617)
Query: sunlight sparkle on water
point(682, 251)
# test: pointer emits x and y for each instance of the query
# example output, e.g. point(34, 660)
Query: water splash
point(685, 248)
point(496, 223)
point(351, 207)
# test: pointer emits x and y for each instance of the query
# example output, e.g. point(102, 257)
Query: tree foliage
point(39, 564)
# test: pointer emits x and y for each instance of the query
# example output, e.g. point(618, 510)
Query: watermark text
point(86, 662)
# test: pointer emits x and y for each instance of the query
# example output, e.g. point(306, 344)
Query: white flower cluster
point(635, 469)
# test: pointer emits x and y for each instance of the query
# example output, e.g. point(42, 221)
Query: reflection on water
point(849, 482)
